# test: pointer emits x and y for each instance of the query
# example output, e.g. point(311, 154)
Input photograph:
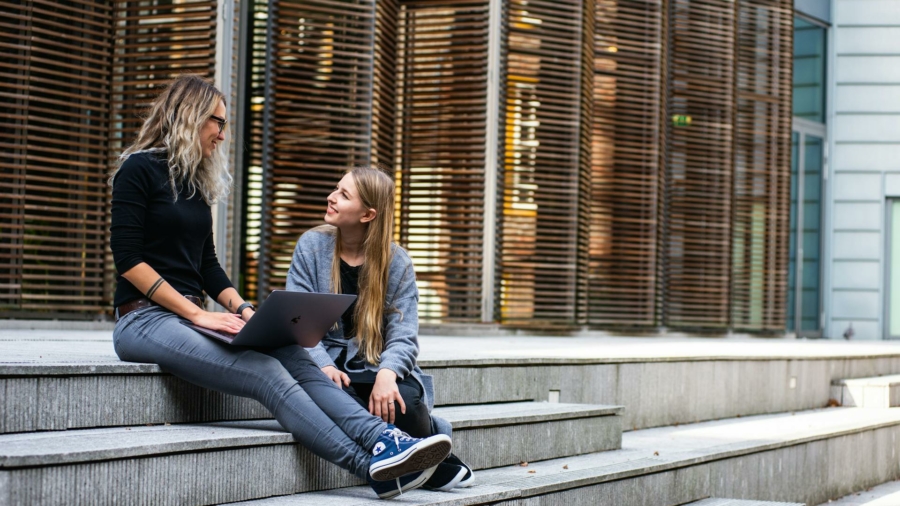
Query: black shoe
point(395, 487)
point(445, 477)
point(469, 478)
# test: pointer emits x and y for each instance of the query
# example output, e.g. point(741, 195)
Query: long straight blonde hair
point(376, 191)
point(173, 125)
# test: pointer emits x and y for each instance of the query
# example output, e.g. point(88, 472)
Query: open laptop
point(287, 318)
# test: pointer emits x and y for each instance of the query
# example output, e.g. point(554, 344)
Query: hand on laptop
point(334, 374)
point(225, 322)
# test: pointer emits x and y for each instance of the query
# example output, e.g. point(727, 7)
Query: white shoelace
point(398, 435)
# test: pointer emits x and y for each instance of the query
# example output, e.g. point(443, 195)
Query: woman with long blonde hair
point(371, 353)
point(164, 252)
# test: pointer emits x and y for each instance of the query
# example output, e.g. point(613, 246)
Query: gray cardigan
point(310, 271)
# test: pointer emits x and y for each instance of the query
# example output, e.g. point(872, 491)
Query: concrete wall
point(864, 166)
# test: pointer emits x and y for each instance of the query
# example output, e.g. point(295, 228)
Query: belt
point(128, 307)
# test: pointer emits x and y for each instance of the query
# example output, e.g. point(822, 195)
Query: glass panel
point(809, 71)
point(894, 316)
point(792, 246)
point(812, 224)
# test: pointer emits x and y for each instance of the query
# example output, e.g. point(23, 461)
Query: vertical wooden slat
point(587, 19)
point(762, 164)
point(441, 152)
point(700, 85)
point(54, 92)
point(539, 241)
point(625, 172)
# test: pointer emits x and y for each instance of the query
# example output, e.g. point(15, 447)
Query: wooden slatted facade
point(762, 160)
point(538, 245)
point(626, 155)
point(54, 96)
point(642, 148)
point(442, 99)
point(699, 163)
point(318, 119)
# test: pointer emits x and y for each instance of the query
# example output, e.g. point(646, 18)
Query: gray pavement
point(94, 348)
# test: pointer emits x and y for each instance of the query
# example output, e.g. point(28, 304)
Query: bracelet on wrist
point(242, 307)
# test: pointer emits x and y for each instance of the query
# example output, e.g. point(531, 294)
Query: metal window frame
point(804, 128)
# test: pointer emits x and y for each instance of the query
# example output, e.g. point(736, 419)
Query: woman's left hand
point(247, 314)
point(384, 394)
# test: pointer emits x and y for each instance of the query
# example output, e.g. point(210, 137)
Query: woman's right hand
point(335, 375)
point(225, 322)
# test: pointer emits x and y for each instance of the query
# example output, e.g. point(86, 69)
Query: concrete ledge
point(76, 381)
point(741, 502)
point(877, 392)
point(808, 458)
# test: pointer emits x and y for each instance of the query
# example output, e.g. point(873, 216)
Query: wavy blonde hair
point(173, 125)
point(376, 191)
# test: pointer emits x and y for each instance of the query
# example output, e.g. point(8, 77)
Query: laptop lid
point(286, 318)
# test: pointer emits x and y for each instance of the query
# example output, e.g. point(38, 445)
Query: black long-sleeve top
point(173, 237)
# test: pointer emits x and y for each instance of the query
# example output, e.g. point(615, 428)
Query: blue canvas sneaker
point(396, 454)
point(393, 488)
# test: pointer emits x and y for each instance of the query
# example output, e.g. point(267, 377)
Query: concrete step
point(875, 392)
point(76, 381)
point(807, 457)
point(231, 461)
point(886, 494)
point(713, 501)
point(58, 380)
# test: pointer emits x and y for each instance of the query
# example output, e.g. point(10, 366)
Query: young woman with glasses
point(163, 248)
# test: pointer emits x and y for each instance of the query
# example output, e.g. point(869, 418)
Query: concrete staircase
point(877, 392)
point(80, 427)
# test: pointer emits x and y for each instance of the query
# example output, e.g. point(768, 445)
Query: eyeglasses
point(220, 121)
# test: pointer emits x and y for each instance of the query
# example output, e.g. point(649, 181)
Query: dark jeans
point(416, 422)
point(285, 380)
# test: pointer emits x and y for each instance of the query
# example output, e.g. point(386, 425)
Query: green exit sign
point(681, 120)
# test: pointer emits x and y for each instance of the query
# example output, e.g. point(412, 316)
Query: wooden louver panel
point(319, 118)
point(697, 243)
point(253, 173)
point(384, 85)
point(54, 96)
point(153, 44)
point(762, 164)
point(540, 230)
point(625, 162)
point(441, 151)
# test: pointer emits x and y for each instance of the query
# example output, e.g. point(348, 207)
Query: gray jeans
point(285, 380)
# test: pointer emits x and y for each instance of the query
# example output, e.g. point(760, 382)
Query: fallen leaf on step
point(566, 466)
point(532, 471)
point(523, 464)
point(832, 403)
point(656, 454)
